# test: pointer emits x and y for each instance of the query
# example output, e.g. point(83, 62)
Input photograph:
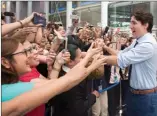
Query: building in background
point(87, 11)
point(115, 14)
point(120, 13)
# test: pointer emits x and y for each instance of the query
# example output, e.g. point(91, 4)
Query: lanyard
point(110, 87)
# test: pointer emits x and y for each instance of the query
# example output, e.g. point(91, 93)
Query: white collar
point(65, 68)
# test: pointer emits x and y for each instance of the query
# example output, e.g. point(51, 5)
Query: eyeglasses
point(25, 51)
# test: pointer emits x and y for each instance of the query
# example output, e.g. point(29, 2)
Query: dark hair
point(124, 35)
point(52, 26)
point(72, 50)
point(144, 17)
point(130, 39)
point(79, 29)
point(106, 30)
point(9, 46)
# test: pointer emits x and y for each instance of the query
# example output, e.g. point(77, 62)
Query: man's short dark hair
point(144, 18)
point(72, 50)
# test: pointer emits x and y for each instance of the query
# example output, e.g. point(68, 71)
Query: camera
point(2, 16)
point(9, 14)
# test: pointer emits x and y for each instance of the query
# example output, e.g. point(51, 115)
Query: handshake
point(94, 56)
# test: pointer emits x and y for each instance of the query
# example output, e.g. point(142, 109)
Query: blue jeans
point(141, 105)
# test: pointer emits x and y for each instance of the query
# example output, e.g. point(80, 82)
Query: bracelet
point(20, 23)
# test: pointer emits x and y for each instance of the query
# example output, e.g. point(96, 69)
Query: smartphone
point(106, 30)
point(9, 14)
point(39, 20)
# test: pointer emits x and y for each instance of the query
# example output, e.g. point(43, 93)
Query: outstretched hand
point(98, 61)
point(93, 50)
point(51, 58)
point(90, 53)
point(59, 36)
point(63, 57)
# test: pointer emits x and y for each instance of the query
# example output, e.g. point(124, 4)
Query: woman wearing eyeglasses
point(18, 98)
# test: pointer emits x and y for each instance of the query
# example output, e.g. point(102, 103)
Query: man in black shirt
point(78, 100)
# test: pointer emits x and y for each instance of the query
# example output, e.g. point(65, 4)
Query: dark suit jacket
point(74, 39)
point(75, 102)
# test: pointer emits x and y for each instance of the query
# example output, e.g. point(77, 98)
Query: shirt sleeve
point(128, 48)
point(135, 55)
point(10, 91)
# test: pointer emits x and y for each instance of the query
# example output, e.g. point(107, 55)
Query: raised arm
point(61, 58)
point(7, 28)
point(110, 50)
point(41, 94)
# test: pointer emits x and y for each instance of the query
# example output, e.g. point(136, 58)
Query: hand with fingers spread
point(90, 53)
point(93, 50)
point(82, 71)
point(98, 61)
point(79, 70)
point(63, 57)
point(59, 36)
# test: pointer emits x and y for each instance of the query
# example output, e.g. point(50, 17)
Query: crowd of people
point(47, 71)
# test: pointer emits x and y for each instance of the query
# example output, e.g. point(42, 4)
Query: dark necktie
point(130, 68)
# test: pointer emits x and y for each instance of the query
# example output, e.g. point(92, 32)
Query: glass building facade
point(120, 12)
point(83, 9)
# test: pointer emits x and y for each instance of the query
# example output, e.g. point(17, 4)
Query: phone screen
point(39, 20)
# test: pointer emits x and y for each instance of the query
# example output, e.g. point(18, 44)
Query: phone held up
point(39, 20)
point(9, 14)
